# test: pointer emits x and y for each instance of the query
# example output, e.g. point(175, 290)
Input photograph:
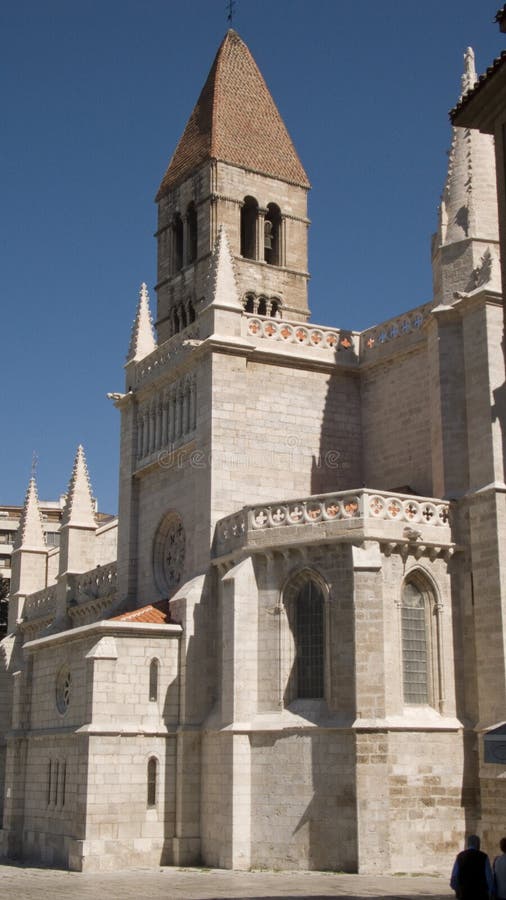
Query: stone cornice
point(100, 629)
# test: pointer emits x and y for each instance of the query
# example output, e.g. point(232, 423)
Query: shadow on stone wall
point(337, 463)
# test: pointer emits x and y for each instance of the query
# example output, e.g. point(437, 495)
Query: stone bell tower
point(235, 166)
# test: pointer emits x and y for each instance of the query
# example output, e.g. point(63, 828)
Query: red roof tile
point(158, 613)
point(236, 121)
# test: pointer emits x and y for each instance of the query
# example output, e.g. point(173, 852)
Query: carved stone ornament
point(63, 689)
point(169, 553)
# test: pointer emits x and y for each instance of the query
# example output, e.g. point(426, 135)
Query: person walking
point(499, 872)
point(471, 877)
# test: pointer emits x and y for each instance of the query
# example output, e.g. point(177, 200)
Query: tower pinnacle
point(30, 534)
point(468, 211)
point(222, 286)
point(469, 76)
point(142, 341)
point(79, 509)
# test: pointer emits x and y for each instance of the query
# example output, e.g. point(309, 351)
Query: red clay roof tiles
point(236, 121)
point(158, 613)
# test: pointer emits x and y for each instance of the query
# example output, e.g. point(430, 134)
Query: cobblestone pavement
point(19, 883)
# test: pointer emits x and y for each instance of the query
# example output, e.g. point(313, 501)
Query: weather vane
point(230, 10)
point(35, 460)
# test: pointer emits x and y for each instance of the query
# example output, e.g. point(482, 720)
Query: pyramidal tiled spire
point(142, 341)
point(30, 533)
point(468, 204)
point(79, 506)
point(221, 285)
point(235, 120)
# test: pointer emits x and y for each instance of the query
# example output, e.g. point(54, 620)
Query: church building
point(288, 649)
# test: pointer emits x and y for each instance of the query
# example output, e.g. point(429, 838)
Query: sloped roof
point(158, 613)
point(235, 120)
point(483, 81)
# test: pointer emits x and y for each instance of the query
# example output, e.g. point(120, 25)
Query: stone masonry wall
point(267, 426)
point(85, 794)
point(396, 424)
point(304, 805)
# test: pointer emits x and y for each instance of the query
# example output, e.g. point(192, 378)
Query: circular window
point(63, 689)
point(169, 553)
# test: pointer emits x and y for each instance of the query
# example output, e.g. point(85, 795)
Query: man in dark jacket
point(471, 875)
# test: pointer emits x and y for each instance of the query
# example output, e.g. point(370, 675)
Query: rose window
point(169, 553)
point(63, 689)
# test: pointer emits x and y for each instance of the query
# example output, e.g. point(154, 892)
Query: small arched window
point(249, 216)
point(182, 316)
point(191, 218)
point(304, 653)
point(152, 779)
point(249, 303)
point(419, 641)
point(262, 306)
point(153, 679)
point(272, 235)
point(191, 312)
point(177, 227)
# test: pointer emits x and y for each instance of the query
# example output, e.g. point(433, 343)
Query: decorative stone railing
point(41, 604)
point(416, 514)
point(317, 337)
point(400, 327)
point(100, 583)
point(152, 365)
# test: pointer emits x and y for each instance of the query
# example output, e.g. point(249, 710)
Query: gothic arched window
point(152, 779)
point(191, 218)
point(249, 216)
point(177, 228)
point(272, 235)
point(304, 654)
point(419, 634)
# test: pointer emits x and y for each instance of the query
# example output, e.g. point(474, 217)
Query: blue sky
point(98, 93)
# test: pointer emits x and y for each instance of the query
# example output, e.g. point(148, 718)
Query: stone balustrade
point(41, 604)
point(317, 337)
point(96, 584)
point(153, 364)
point(416, 516)
point(408, 324)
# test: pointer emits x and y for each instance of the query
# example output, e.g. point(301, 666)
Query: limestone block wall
point(82, 800)
point(493, 798)
point(121, 829)
point(176, 480)
point(303, 812)
point(409, 791)
point(216, 799)
point(281, 431)
point(106, 546)
point(55, 795)
point(396, 424)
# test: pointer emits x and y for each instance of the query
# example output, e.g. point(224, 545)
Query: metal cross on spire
point(230, 10)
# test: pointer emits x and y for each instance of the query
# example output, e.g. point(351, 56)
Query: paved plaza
point(20, 883)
